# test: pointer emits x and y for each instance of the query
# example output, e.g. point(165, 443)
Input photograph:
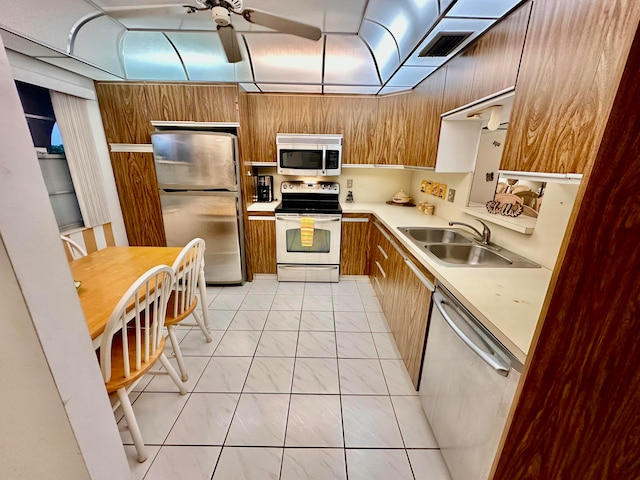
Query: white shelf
point(521, 224)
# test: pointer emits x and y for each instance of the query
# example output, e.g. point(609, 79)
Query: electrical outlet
point(451, 195)
point(349, 182)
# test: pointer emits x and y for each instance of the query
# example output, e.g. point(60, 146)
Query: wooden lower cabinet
point(404, 296)
point(354, 250)
point(261, 244)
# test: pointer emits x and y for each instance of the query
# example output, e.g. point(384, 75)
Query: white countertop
point(507, 301)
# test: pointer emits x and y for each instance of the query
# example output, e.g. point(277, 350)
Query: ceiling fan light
point(221, 16)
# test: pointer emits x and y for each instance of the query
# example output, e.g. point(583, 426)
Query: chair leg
point(132, 423)
point(172, 373)
point(178, 353)
point(202, 326)
point(202, 288)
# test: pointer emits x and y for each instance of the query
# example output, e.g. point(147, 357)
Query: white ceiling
point(368, 46)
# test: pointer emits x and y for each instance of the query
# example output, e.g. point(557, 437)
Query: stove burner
point(305, 197)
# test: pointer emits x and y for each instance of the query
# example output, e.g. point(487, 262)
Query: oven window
point(321, 241)
point(309, 159)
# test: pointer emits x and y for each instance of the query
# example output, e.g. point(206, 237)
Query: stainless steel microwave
point(309, 155)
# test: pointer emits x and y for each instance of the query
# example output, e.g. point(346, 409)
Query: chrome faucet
point(486, 232)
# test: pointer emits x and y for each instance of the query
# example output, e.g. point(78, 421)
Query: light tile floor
point(301, 382)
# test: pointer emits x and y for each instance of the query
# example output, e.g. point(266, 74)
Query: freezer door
point(212, 216)
point(195, 160)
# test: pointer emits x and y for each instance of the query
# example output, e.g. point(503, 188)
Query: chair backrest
point(72, 248)
point(143, 308)
point(186, 268)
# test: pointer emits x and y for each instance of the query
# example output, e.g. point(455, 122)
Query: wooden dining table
point(106, 275)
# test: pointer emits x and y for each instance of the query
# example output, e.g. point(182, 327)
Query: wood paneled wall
point(571, 66)
point(577, 413)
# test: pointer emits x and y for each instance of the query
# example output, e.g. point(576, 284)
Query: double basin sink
point(455, 247)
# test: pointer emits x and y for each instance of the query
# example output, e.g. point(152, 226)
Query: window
point(36, 103)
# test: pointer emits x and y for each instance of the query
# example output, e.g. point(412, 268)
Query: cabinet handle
point(381, 270)
point(266, 219)
point(384, 254)
point(427, 283)
point(384, 234)
point(355, 220)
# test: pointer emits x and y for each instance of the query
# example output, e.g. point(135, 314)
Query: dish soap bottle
point(349, 197)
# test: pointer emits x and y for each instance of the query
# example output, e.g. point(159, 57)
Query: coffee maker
point(264, 188)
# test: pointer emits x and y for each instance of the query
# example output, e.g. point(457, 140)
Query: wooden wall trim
point(577, 414)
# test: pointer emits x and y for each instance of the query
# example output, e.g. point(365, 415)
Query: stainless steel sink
point(468, 255)
point(436, 235)
point(457, 248)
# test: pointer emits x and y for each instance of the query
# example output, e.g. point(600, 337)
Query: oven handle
point(298, 217)
point(307, 267)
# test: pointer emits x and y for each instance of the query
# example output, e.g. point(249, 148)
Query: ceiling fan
point(221, 11)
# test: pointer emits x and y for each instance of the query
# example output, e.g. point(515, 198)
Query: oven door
point(325, 247)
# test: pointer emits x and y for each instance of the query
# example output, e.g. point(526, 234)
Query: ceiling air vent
point(444, 43)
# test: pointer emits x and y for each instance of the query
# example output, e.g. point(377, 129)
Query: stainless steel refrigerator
point(199, 181)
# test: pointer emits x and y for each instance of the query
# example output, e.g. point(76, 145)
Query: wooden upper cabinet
point(215, 103)
point(124, 112)
point(424, 107)
point(355, 119)
point(391, 134)
point(169, 102)
point(571, 66)
point(192, 103)
point(490, 64)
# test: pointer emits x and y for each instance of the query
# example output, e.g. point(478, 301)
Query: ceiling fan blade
point(123, 13)
point(230, 43)
point(282, 24)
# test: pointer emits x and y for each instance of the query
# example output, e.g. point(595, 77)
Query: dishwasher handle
point(501, 366)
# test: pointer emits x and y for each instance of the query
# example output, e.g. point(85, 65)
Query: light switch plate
point(349, 182)
point(451, 195)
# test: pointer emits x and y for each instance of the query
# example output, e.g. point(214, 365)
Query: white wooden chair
point(183, 299)
point(72, 248)
point(125, 358)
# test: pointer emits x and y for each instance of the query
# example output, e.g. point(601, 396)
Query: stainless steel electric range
point(308, 229)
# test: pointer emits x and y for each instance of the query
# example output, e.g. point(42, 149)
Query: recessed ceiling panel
point(451, 25)
point(351, 89)
point(280, 58)
point(407, 20)
point(162, 18)
point(204, 58)
point(289, 88)
point(409, 76)
point(81, 68)
point(383, 46)
point(348, 61)
point(483, 9)
point(150, 56)
point(48, 23)
point(97, 42)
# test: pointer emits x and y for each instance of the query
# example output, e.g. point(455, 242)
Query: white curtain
point(82, 157)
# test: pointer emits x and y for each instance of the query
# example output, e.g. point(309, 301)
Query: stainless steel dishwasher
point(467, 387)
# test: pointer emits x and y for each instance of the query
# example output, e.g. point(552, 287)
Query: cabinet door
point(490, 64)
point(135, 177)
point(411, 327)
point(124, 112)
point(215, 103)
point(423, 121)
point(261, 244)
point(354, 256)
point(169, 102)
point(570, 70)
point(391, 129)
